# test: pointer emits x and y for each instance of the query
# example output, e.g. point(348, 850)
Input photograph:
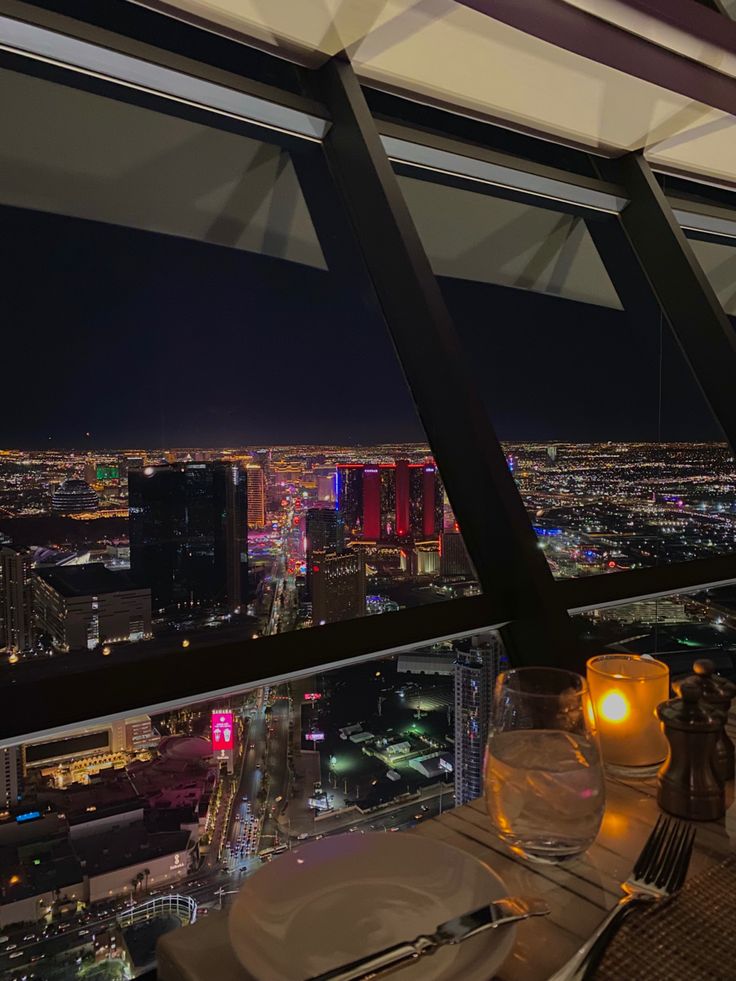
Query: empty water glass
point(543, 774)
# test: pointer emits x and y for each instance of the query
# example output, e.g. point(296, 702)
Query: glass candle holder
point(625, 690)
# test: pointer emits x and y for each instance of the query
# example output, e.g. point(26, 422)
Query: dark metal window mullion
point(484, 496)
point(678, 282)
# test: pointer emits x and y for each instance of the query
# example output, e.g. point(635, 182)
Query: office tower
point(11, 776)
point(74, 496)
point(454, 558)
point(188, 535)
point(79, 607)
point(385, 501)
point(325, 530)
point(476, 668)
point(256, 496)
point(16, 600)
point(338, 586)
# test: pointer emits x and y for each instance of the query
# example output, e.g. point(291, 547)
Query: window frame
point(520, 595)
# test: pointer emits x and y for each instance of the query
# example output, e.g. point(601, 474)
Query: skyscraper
point(74, 496)
point(256, 496)
point(338, 586)
point(16, 600)
point(324, 530)
point(350, 496)
point(11, 776)
point(384, 501)
point(426, 505)
point(476, 668)
point(188, 535)
point(454, 559)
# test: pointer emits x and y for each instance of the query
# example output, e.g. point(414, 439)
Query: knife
point(488, 917)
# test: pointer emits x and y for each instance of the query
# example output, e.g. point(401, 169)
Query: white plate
point(334, 900)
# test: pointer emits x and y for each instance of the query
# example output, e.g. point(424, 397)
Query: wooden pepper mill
point(689, 786)
point(718, 693)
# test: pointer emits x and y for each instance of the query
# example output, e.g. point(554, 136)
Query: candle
point(626, 690)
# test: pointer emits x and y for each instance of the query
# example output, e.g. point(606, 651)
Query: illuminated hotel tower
point(380, 501)
point(256, 496)
point(325, 529)
point(16, 601)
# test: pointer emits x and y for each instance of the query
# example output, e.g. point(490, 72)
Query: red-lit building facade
point(388, 501)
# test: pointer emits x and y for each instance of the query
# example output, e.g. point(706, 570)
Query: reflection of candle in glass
point(625, 690)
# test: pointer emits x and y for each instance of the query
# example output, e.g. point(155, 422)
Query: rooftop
point(93, 579)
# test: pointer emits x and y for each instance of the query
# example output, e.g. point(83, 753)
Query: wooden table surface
point(581, 893)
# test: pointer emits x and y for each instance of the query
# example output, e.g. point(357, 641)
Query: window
point(616, 454)
point(214, 787)
point(220, 444)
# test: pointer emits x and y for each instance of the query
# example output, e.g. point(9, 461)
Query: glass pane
point(718, 260)
point(613, 448)
point(216, 440)
point(676, 629)
point(201, 796)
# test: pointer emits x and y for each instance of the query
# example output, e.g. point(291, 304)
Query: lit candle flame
point(613, 707)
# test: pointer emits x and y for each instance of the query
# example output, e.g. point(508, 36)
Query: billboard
point(315, 737)
point(312, 696)
point(223, 736)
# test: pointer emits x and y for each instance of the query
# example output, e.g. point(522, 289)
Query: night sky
point(151, 340)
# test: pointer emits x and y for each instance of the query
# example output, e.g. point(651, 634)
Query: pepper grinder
point(688, 785)
point(718, 693)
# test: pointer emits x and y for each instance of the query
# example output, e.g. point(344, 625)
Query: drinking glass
point(543, 774)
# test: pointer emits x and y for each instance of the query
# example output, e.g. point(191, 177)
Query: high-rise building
point(350, 496)
point(325, 530)
point(338, 586)
point(256, 496)
point(188, 535)
point(11, 776)
point(552, 454)
point(74, 496)
point(383, 501)
point(454, 559)
point(16, 600)
point(79, 607)
point(476, 669)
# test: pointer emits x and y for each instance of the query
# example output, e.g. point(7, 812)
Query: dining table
point(579, 893)
point(582, 892)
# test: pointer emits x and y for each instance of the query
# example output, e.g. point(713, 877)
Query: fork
point(658, 874)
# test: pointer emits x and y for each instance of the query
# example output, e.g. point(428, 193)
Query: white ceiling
point(441, 51)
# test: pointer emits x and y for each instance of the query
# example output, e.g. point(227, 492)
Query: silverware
point(488, 917)
point(659, 873)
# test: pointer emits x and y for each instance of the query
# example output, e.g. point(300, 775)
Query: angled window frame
point(206, 92)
